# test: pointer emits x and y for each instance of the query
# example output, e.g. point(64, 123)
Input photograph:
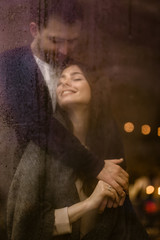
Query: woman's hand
point(102, 191)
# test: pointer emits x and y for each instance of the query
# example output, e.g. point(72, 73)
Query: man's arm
point(71, 152)
point(67, 148)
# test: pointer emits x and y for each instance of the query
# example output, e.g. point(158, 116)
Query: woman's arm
point(101, 191)
point(64, 217)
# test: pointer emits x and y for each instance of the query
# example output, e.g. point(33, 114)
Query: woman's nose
point(66, 82)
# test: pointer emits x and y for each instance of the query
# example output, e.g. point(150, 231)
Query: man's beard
point(53, 58)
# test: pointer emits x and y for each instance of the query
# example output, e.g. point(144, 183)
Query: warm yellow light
point(158, 190)
point(149, 189)
point(129, 127)
point(158, 132)
point(145, 129)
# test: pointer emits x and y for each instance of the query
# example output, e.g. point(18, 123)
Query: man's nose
point(64, 49)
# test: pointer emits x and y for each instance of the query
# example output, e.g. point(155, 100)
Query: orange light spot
point(129, 127)
point(145, 129)
point(149, 189)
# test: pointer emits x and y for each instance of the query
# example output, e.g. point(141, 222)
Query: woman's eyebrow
point(74, 73)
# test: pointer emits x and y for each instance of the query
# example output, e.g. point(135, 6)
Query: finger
point(122, 201)
point(121, 172)
point(124, 177)
point(110, 192)
point(110, 203)
point(116, 161)
point(123, 183)
point(115, 195)
point(118, 188)
point(115, 205)
point(103, 205)
point(124, 173)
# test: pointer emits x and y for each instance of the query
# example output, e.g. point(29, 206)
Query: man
point(28, 82)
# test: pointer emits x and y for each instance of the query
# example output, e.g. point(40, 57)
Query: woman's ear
point(34, 29)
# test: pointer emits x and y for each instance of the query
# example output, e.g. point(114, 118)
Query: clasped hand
point(116, 177)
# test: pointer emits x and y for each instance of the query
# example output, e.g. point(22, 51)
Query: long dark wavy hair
point(102, 137)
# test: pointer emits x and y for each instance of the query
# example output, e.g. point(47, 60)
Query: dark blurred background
point(121, 38)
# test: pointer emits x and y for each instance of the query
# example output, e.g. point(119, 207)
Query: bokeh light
point(149, 189)
point(145, 129)
point(129, 127)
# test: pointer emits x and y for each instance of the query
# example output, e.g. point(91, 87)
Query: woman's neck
point(80, 120)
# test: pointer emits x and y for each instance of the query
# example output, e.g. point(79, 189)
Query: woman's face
point(73, 88)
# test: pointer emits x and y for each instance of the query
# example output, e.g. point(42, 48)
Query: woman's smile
point(67, 92)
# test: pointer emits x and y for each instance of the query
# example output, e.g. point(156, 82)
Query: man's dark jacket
point(26, 105)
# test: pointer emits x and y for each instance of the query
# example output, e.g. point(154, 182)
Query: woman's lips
point(67, 91)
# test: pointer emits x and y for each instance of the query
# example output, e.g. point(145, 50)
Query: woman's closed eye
point(77, 79)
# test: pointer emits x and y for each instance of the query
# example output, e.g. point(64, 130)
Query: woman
point(48, 200)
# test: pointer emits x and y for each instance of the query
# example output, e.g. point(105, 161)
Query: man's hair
point(67, 11)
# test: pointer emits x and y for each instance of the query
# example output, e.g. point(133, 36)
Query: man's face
point(57, 41)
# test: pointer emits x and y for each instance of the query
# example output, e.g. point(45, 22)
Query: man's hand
point(117, 177)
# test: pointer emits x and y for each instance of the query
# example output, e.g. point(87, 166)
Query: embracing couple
point(69, 182)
